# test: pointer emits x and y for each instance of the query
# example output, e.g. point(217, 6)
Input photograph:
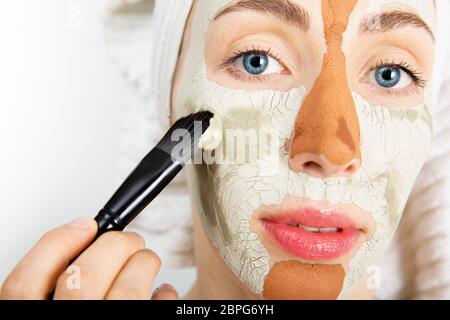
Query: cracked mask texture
point(394, 146)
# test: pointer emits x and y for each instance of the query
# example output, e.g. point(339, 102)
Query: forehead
point(425, 9)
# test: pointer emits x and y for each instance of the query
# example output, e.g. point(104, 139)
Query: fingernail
point(82, 223)
point(165, 286)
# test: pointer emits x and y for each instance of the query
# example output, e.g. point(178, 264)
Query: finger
point(98, 266)
point(135, 280)
point(165, 292)
point(36, 274)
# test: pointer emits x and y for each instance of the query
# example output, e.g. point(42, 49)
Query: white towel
point(145, 36)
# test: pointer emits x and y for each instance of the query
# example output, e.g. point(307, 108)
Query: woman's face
point(322, 124)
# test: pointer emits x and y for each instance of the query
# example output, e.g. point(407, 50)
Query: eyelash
point(227, 65)
point(415, 75)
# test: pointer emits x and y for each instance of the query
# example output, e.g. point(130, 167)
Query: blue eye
point(388, 77)
point(255, 63)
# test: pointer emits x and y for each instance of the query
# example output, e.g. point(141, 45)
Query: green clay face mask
point(229, 192)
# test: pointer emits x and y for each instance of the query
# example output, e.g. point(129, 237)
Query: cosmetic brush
point(153, 173)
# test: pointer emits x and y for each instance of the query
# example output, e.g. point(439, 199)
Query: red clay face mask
point(326, 125)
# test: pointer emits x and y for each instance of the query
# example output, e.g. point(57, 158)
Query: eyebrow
point(284, 10)
point(393, 20)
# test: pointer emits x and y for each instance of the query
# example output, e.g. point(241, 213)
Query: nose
point(326, 136)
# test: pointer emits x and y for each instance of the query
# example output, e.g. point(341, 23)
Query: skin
point(116, 266)
point(130, 269)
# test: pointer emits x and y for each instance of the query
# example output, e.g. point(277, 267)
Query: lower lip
point(310, 245)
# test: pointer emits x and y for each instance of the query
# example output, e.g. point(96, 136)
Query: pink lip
point(310, 245)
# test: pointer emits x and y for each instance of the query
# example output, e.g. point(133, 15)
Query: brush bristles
point(181, 141)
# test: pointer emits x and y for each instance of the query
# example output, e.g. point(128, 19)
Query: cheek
point(394, 139)
point(395, 143)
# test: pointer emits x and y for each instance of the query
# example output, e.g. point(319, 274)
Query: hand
point(115, 266)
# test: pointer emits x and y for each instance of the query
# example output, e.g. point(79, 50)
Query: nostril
point(311, 165)
point(319, 167)
point(351, 169)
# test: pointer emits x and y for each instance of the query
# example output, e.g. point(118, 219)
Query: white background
point(61, 106)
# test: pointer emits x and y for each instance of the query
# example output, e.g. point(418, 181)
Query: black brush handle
point(146, 181)
point(149, 178)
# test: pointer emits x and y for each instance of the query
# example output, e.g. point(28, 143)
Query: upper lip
point(313, 218)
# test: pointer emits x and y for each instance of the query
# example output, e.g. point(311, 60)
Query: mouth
point(313, 234)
